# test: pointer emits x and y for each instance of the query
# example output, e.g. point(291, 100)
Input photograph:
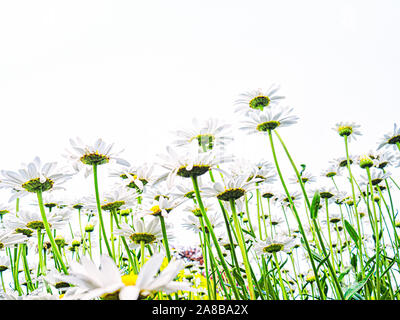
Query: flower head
point(208, 134)
point(191, 163)
point(273, 245)
point(264, 121)
point(391, 139)
point(33, 177)
point(258, 99)
point(234, 187)
point(97, 154)
point(108, 283)
point(347, 129)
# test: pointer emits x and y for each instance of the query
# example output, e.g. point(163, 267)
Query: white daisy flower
point(208, 134)
point(306, 177)
point(5, 263)
point(107, 282)
point(136, 177)
point(258, 99)
point(391, 139)
point(377, 176)
point(330, 171)
point(29, 219)
point(147, 230)
point(10, 238)
point(276, 244)
point(191, 163)
point(269, 119)
point(284, 200)
point(341, 162)
point(119, 197)
point(234, 187)
point(99, 153)
point(33, 177)
point(348, 129)
point(163, 206)
point(148, 282)
point(383, 159)
point(192, 222)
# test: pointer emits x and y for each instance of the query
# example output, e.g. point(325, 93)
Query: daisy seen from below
point(208, 134)
point(30, 219)
point(391, 139)
point(233, 188)
point(270, 119)
point(136, 177)
point(347, 129)
point(119, 198)
point(146, 231)
point(258, 99)
point(279, 243)
point(191, 163)
point(9, 239)
point(33, 177)
point(97, 154)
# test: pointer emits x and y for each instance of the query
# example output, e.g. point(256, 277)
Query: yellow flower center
point(129, 279)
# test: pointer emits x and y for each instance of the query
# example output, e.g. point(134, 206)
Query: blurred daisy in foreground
point(107, 283)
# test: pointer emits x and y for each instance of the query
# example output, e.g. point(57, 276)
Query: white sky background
point(132, 71)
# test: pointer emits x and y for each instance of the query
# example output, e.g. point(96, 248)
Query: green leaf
point(353, 261)
point(344, 273)
point(315, 205)
point(356, 286)
point(238, 277)
point(353, 233)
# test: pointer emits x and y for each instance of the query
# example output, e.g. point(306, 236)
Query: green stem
point(103, 230)
point(285, 297)
point(165, 237)
point(321, 292)
point(242, 248)
point(376, 231)
point(54, 246)
point(215, 240)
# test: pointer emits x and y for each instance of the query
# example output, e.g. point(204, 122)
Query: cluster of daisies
point(201, 223)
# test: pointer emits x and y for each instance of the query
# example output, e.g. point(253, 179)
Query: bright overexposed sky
point(132, 71)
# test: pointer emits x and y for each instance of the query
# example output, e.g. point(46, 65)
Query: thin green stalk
point(355, 204)
point(285, 297)
point(376, 231)
point(49, 234)
point(103, 230)
point(242, 248)
point(215, 240)
point(321, 292)
point(165, 237)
